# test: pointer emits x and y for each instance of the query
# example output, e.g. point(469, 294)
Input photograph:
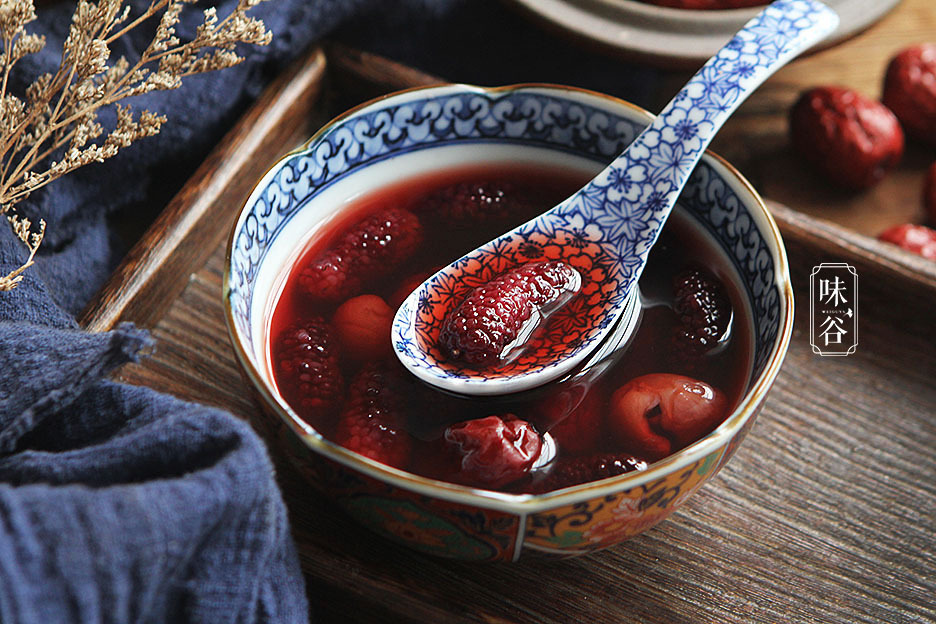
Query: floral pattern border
point(531, 116)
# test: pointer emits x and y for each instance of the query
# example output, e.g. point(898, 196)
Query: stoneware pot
point(436, 128)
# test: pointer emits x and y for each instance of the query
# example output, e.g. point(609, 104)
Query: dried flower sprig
point(23, 230)
point(53, 128)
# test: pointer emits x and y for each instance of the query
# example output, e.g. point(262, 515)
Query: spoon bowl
point(607, 228)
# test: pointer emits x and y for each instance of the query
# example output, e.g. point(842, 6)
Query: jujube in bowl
point(338, 232)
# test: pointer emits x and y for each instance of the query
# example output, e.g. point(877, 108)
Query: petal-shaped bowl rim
point(499, 501)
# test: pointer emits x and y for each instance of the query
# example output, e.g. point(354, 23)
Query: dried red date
point(494, 451)
point(655, 415)
point(910, 91)
point(852, 139)
point(916, 238)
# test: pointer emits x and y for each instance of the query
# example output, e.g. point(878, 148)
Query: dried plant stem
point(154, 6)
point(53, 128)
point(23, 230)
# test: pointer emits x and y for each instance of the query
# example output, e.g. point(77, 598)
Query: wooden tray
point(827, 512)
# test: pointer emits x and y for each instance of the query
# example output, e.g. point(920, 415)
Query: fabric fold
point(49, 368)
point(163, 513)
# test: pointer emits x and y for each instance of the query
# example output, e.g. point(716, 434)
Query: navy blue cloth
point(119, 504)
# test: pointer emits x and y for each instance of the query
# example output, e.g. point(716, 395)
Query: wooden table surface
point(756, 141)
point(827, 513)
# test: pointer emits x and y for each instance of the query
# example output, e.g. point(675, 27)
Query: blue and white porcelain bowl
point(437, 128)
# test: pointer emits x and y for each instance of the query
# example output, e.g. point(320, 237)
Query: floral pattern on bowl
point(428, 129)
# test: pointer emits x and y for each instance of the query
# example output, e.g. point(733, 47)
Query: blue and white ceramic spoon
point(607, 228)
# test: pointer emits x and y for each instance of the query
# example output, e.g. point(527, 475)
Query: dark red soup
point(333, 362)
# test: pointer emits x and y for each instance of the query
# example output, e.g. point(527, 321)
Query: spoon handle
point(638, 189)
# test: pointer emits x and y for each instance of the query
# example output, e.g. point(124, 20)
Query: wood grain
point(199, 217)
point(826, 514)
point(756, 138)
